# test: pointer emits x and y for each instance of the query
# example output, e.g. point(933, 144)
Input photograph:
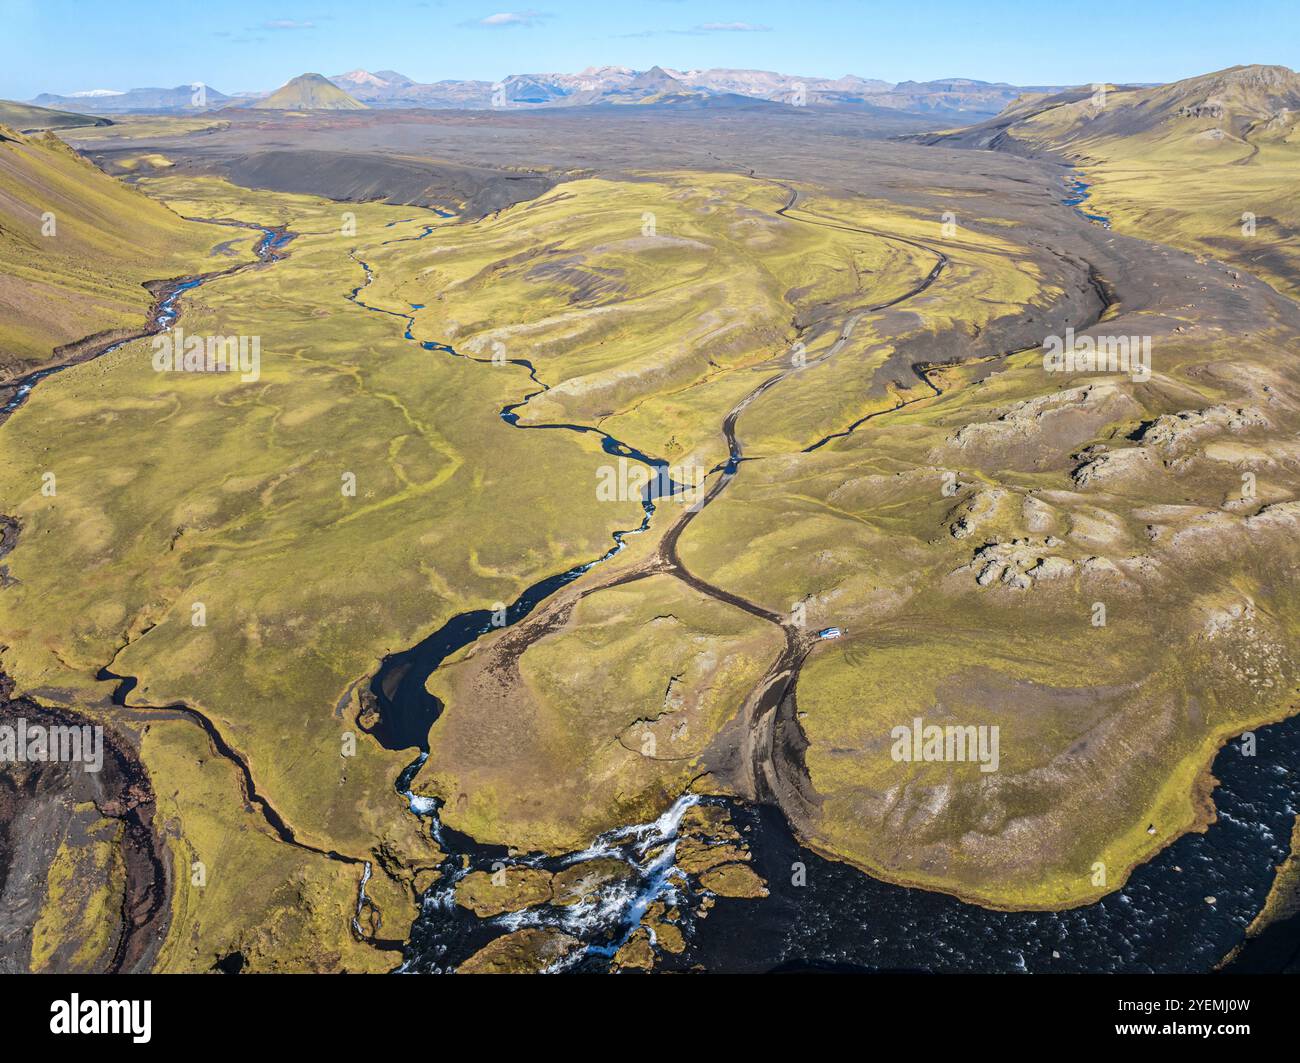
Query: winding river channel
point(1078, 192)
point(1182, 911)
point(1185, 910)
point(165, 310)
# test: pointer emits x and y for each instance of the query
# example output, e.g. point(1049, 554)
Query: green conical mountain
point(310, 92)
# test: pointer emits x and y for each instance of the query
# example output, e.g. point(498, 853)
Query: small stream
point(445, 934)
point(406, 709)
point(1078, 191)
point(165, 312)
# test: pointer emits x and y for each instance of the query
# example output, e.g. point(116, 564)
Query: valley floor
point(552, 591)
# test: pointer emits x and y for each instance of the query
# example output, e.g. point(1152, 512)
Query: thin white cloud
point(733, 27)
point(288, 24)
point(505, 19)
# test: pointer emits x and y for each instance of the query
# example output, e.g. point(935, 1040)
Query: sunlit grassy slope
point(638, 301)
point(236, 502)
point(605, 722)
point(964, 544)
point(1211, 164)
point(138, 126)
point(176, 490)
point(25, 117)
point(76, 247)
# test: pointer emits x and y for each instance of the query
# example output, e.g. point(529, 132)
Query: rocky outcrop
point(529, 951)
point(1036, 430)
point(979, 509)
point(1177, 431)
point(508, 890)
point(1020, 563)
point(1111, 467)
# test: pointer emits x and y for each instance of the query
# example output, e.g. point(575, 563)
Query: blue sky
point(237, 45)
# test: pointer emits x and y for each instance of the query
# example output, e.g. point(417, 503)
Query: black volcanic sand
point(39, 811)
point(489, 160)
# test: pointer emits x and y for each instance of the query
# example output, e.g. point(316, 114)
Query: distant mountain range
point(152, 101)
point(617, 84)
point(595, 86)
